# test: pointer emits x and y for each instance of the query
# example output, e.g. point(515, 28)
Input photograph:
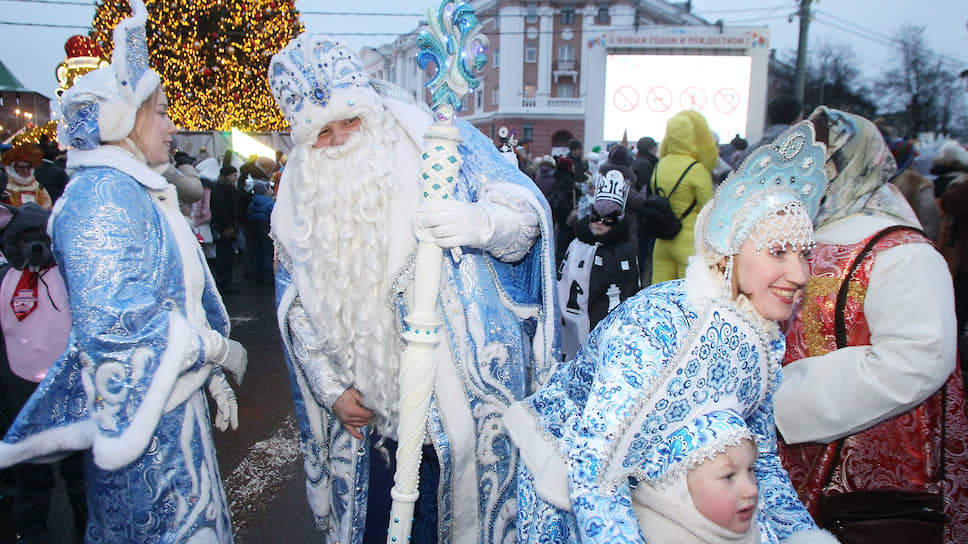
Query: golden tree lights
point(212, 56)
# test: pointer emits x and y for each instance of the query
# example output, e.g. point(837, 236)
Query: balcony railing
point(546, 104)
point(566, 66)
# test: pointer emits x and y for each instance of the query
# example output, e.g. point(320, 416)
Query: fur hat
point(266, 164)
point(228, 170)
point(26, 152)
point(317, 79)
point(102, 105)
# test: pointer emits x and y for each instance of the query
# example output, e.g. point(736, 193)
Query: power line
point(45, 25)
point(769, 8)
point(55, 2)
point(355, 13)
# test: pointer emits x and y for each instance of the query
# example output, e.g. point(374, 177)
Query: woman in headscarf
point(149, 330)
point(688, 152)
point(866, 362)
point(617, 415)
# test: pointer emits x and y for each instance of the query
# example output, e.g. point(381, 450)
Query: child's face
point(724, 488)
point(601, 225)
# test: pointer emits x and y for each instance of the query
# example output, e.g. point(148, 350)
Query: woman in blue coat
point(609, 420)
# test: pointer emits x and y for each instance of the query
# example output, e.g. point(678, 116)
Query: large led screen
point(643, 91)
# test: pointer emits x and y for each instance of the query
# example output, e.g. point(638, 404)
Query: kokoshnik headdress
point(317, 79)
point(785, 179)
point(102, 105)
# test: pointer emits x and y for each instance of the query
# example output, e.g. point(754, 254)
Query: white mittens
point(452, 223)
point(226, 407)
point(227, 353)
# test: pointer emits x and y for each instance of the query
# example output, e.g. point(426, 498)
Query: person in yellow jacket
point(687, 140)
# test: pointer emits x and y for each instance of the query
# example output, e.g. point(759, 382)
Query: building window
point(566, 90)
point(479, 100)
point(497, 58)
point(566, 53)
point(531, 9)
point(568, 15)
point(531, 53)
point(527, 133)
point(602, 16)
point(529, 91)
point(494, 97)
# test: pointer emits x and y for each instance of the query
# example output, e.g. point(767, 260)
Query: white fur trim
point(113, 156)
point(343, 104)
point(811, 536)
point(115, 120)
point(116, 452)
point(539, 455)
point(47, 444)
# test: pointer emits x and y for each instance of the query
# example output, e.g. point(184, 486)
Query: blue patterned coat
point(603, 419)
point(499, 320)
point(130, 384)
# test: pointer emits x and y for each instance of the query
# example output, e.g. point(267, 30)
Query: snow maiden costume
point(496, 300)
point(887, 383)
point(148, 329)
point(674, 351)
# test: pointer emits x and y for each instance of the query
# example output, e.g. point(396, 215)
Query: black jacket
point(616, 262)
point(224, 204)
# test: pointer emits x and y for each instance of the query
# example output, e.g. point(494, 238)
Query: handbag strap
point(840, 326)
point(655, 188)
point(840, 331)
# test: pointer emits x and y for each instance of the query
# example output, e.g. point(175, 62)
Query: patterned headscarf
point(859, 166)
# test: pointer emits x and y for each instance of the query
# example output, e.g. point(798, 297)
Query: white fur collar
point(116, 157)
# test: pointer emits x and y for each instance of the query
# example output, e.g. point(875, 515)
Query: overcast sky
point(33, 52)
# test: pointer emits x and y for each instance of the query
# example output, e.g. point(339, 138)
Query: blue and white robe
point(130, 385)
point(499, 326)
point(659, 359)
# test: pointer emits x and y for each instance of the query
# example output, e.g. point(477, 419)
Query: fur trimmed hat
point(102, 105)
point(317, 79)
point(27, 152)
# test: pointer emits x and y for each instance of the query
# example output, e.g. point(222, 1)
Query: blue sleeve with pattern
point(631, 356)
point(779, 507)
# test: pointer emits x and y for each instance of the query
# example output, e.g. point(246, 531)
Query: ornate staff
point(454, 45)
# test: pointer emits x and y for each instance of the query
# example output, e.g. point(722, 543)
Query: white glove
point(452, 223)
point(226, 407)
point(227, 353)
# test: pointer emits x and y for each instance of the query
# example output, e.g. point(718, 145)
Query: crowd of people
point(684, 342)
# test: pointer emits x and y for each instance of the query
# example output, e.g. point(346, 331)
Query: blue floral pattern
point(653, 363)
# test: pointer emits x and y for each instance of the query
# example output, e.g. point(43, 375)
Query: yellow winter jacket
point(687, 139)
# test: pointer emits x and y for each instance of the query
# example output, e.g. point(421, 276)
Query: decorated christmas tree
point(212, 56)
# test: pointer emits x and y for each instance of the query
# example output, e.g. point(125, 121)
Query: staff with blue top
point(395, 344)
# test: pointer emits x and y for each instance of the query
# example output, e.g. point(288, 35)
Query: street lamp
point(17, 113)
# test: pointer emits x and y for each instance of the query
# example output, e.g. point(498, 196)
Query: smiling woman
point(683, 367)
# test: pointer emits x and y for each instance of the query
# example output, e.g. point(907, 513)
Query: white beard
point(342, 226)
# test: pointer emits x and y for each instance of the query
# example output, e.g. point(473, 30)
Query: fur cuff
point(811, 536)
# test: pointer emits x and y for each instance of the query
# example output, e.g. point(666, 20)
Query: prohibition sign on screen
point(626, 98)
point(726, 100)
point(693, 98)
point(659, 99)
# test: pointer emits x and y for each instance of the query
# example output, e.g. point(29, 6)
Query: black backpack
point(657, 216)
